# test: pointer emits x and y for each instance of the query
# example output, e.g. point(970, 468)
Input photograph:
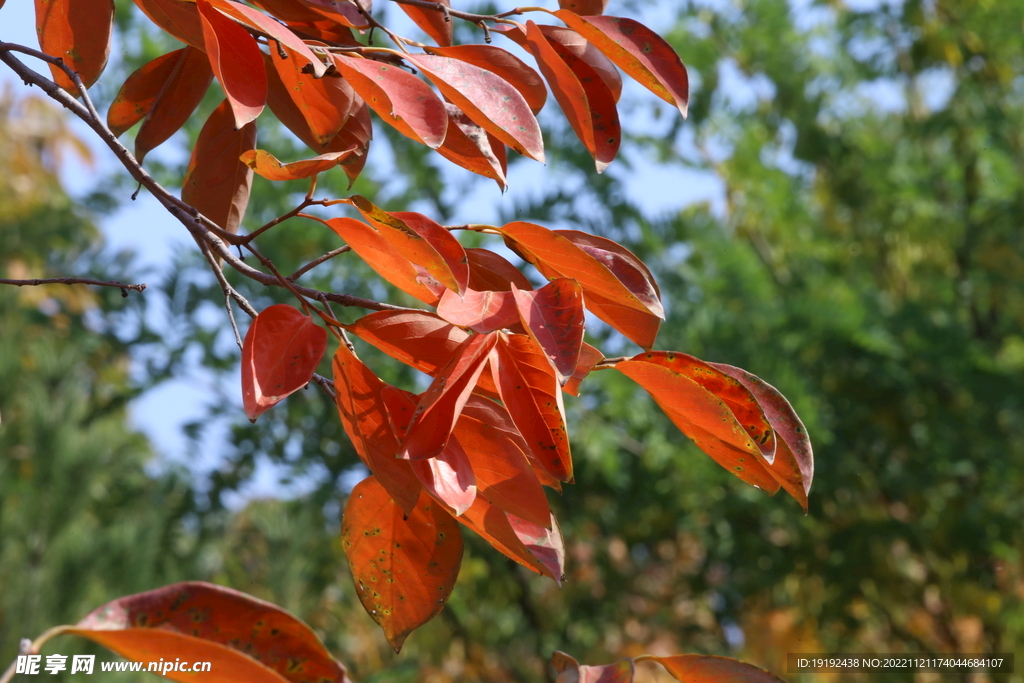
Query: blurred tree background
point(866, 256)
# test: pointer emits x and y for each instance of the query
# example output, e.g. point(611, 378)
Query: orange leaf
point(711, 669)
point(624, 265)
point(341, 11)
point(399, 98)
point(179, 18)
point(553, 315)
point(793, 467)
point(589, 357)
point(404, 564)
point(183, 91)
point(544, 542)
point(442, 403)
point(468, 145)
point(422, 241)
point(482, 312)
point(368, 423)
point(506, 65)
point(217, 183)
point(604, 294)
point(489, 271)
point(571, 671)
point(638, 51)
point(236, 61)
point(267, 165)
point(530, 392)
point(77, 31)
point(246, 640)
point(282, 34)
point(140, 90)
point(419, 339)
point(325, 103)
point(702, 416)
point(584, 7)
point(487, 99)
point(435, 24)
point(496, 415)
point(385, 259)
point(281, 352)
point(578, 45)
point(492, 525)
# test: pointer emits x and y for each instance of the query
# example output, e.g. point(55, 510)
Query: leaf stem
point(74, 281)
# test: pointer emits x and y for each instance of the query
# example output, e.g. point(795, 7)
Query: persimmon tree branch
point(467, 16)
point(74, 281)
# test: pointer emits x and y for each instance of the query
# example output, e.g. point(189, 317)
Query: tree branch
point(74, 281)
point(468, 16)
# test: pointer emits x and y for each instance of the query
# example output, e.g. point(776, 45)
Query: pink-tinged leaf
point(384, 258)
point(624, 264)
point(217, 183)
point(711, 669)
point(435, 24)
point(487, 99)
point(482, 312)
point(244, 639)
point(544, 542)
point(794, 458)
point(404, 563)
point(571, 671)
point(492, 524)
point(638, 51)
point(589, 357)
point(553, 315)
point(506, 65)
point(468, 145)
point(399, 98)
point(367, 421)
point(236, 61)
point(281, 352)
point(442, 403)
point(489, 271)
point(275, 29)
point(702, 416)
point(182, 92)
point(78, 32)
point(179, 18)
point(266, 164)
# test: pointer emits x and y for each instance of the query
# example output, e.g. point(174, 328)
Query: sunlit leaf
point(236, 61)
point(183, 91)
point(579, 46)
point(325, 103)
point(480, 311)
point(266, 164)
point(496, 415)
point(544, 541)
point(140, 90)
point(571, 671)
point(510, 68)
point(417, 338)
point(435, 24)
point(276, 30)
point(589, 357)
point(179, 18)
point(711, 669)
point(491, 523)
point(77, 31)
point(553, 315)
point(623, 264)
point(490, 271)
point(468, 145)
point(584, 7)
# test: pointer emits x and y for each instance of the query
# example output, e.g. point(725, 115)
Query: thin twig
point(313, 264)
point(468, 16)
point(229, 293)
point(73, 281)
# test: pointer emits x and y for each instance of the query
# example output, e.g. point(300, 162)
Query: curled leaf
point(711, 669)
point(571, 671)
point(266, 164)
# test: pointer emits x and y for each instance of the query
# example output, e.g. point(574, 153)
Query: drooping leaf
point(236, 61)
point(711, 669)
point(217, 183)
point(267, 165)
point(530, 391)
point(325, 103)
point(245, 639)
point(579, 46)
point(183, 91)
point(589, 357)
point(638, 51)
point(77, 31)
point(140, 90)
point(341, 11)
point(435, 24)
point(404, 564)
point(571, 671)
point(399, 98)
point(442, 403)
point(544, 541)
point(496, 415)
point(487, 99)
point(506, 65)
point(702, 416)
point(281, 352)
point(584, 7)
point(482, 312)
point(367, 421)
point(421, 340)
point(358, 130)
point(492, 525)
point(490, 271)
point(179, 18)
point(605, 295)
point(553, 315)
point(468, 145)
point(623, 264)
point(794, 458)
point(276, 30)
point(384, 258)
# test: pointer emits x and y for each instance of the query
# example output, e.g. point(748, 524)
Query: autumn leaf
point(404, 564)
point(544, 541)
point(584, 7)
point(482, 312)
point(325, 103)
point(711, 669)
point(243, 638)
point(589, 357)
point(553, 315)
point(140, 90)
point(623, 264)
point(435, 24)
point(468, 145)
point(217, 183)
point(236, 61)
point(281, 352)
point(275, 30)
point(180, 18)
point(267, 166)
point(182, 92)
point(497, 416)
point(491, 524)
point(504, 64)
point(571, 671)
point(77, 31)
point(419, 339)
point(572, 41)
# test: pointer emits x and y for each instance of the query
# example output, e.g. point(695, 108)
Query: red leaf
point(266, 165)
point(398, 97)
point(489, 271)
point(492, 525)
point(435, 24)
point(468, 145)
point(638, 51)
point(280, 33)
point(341, 11)
point(571, 671)
point(419, 339)
point(530, 392)
point(77, 31)
point(496, 415)
point(544, 542)
point(325, 103)
point(368, 423)
point(702, 416)
point(422, 241)
point(554, 317)
point(183, 90)
point(482, 312)
point(487, 99)
point(217, 183)
point(584, 7)
point(503, 63)
point(384, 258)
point(281, 352)
point(624, 265)
point(244, 639)
point(404, 564)
point(441, 404)
point(179, 18)
point(578, 45)
point(604, 293)
point(236, 61)
point(589, 357)
point(711, 669)
point(140, 90)
point(793, 467)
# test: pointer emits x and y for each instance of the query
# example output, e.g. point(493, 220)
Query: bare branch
point(313, 264)
point(74, 281)
point(468, 16)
